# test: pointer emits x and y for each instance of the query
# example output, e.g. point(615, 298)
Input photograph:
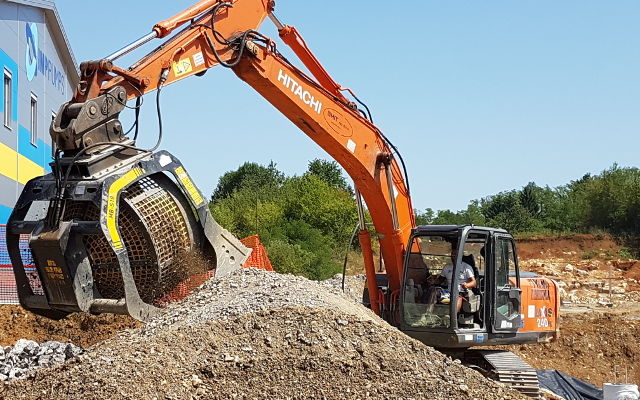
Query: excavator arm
point(188, 52)
point(352, 140)
point(100, 167)
point(321, 111)
point(71, 250)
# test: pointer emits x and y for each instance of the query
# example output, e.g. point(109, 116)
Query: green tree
point(303, 221)
point(505, 210)
point(611, 200)
point(529, 198)
point(425, 218)
point(330, 172)
point(311, 199)
point(249, 175)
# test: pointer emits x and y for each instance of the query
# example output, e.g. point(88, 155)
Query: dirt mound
point(81, 329)
point(591, 346)
point(631, 268)
point(275, 354)
point(295, 340)
point(569, 247)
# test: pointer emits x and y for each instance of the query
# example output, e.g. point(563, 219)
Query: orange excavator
point(109, 228)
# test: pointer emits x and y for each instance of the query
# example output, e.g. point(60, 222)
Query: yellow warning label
point(182, 67)
point(54, 272)
point(192, 190)
point(112, 204)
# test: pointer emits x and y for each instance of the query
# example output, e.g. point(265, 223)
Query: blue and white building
point(38, 74)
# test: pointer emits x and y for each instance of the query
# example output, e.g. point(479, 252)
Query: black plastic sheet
point(567, 386)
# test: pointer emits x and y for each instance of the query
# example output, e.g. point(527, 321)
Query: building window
point(34, 119)
point(7, 98)
point(54, 147)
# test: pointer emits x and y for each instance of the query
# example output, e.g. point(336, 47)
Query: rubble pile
point(353, 285)
point(591, 270)
point(27, 355)
point(260, 335)
point(588, 281)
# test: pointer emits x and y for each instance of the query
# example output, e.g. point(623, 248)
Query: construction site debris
point(621, 392)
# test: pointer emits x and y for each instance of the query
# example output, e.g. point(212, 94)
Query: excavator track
point(506, 367)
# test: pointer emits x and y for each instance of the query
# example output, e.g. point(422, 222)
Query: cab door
point(505, 286)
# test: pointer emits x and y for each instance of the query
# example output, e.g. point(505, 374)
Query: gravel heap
point(353, 285)
point(27, 355)
point(260, 335)
point(251, 290)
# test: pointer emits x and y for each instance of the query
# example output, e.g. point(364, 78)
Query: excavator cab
point(501, 306)
point(445, 313)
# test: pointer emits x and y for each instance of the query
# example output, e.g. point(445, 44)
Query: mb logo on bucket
point(31, 56)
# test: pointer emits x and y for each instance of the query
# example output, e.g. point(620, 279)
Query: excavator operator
point(440, 291)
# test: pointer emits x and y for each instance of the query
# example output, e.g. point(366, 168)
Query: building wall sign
point(37, 61)
point(31, 54)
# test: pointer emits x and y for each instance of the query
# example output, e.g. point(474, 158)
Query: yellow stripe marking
point(193, 192)
point(112, 204)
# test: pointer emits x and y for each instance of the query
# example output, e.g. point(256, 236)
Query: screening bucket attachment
point(114, 232)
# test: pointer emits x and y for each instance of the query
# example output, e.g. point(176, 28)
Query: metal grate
point(167, 227)
point(155, 234)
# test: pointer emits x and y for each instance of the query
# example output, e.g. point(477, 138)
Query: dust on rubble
point(278, 337)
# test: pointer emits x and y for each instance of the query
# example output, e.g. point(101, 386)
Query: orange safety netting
point(258, 257)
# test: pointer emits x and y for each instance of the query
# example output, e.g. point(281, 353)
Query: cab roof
point(454, 228)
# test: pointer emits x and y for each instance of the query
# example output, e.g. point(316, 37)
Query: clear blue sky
point(479, 96)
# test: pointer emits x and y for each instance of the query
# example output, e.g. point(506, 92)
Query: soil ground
point(593, 346)
point(596, 337)
point(80, 329)
point(600, 316)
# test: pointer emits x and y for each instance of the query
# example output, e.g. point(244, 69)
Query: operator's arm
point(471, 280)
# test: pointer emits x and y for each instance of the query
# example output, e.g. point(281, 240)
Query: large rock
point(26, 355)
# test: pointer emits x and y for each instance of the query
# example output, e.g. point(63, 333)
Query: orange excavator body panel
point(540, 304)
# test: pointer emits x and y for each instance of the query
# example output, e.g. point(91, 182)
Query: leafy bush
point(304, 221)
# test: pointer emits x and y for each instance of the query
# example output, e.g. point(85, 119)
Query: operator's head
point(454, 251)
